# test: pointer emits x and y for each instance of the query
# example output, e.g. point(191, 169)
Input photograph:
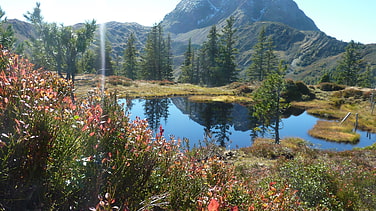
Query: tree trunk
point(278, 116)
point(276, 130)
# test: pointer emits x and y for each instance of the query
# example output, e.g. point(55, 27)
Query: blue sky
point(343, 19)
point(145, 12)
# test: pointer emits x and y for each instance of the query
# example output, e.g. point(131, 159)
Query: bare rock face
point(193, 14)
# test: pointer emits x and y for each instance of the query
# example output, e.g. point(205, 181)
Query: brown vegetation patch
point(267, 149)
point(333, 131)
point(326, 86)
point(219, 98)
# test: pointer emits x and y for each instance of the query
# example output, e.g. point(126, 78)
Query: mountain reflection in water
point(231, 125)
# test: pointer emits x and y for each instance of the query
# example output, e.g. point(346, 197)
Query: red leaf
point(235, 208)
point(272, 183)
point(85, 128)
point(214, 205)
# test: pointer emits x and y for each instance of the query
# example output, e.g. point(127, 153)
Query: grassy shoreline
point(335, 132)
point(332, 105)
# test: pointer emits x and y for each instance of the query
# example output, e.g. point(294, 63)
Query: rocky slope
point(195, 14)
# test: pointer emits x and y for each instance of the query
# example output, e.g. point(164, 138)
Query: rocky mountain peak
point(193, 14)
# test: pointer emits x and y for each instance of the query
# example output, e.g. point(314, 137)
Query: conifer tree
point(263, 58)
point(196, 67)
point(269, 106)
point(326, 77)
point(188, 65)
point(149, 58)
point(130, 58)
point(156, 60)
point(167, 67)
point(209, 58)
point(228, 72)
point(350, 65)
point(367, 78)
point(7, 38)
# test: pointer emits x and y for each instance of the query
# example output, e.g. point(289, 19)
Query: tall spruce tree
point(263, 58)
point(156, 60)
point(227, 57)
point(131, 58)
point(209, 58)
point(195, 68)
point(167, 64)
point(350, 66)
point(187, 69)
point(149, 59)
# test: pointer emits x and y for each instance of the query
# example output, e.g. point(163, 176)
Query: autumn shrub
point(314, 182)
point(277, 198)
point(356, 179)
point(265, 148)
point(118, 80)
point(368, 95)
point(327, 86)
point(162, 82)
point(235, 85)
point(349, 93)
point(297, 90)
point(36, 157)
point(242, 90)
point(364, 182)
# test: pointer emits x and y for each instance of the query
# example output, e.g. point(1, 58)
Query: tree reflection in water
point(155, 110)
point(217, 118)
point(230, 125)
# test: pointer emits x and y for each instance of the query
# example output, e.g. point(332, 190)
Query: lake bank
point(327, 104)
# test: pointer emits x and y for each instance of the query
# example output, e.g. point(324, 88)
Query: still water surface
point(230, 124)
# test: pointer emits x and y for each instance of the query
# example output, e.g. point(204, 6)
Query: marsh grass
point(145, 89)
point(220, 98)
point(333, 131)
point(336, 108)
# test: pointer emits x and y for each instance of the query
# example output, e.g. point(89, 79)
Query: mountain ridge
point(193, 14)
point(308, 52)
